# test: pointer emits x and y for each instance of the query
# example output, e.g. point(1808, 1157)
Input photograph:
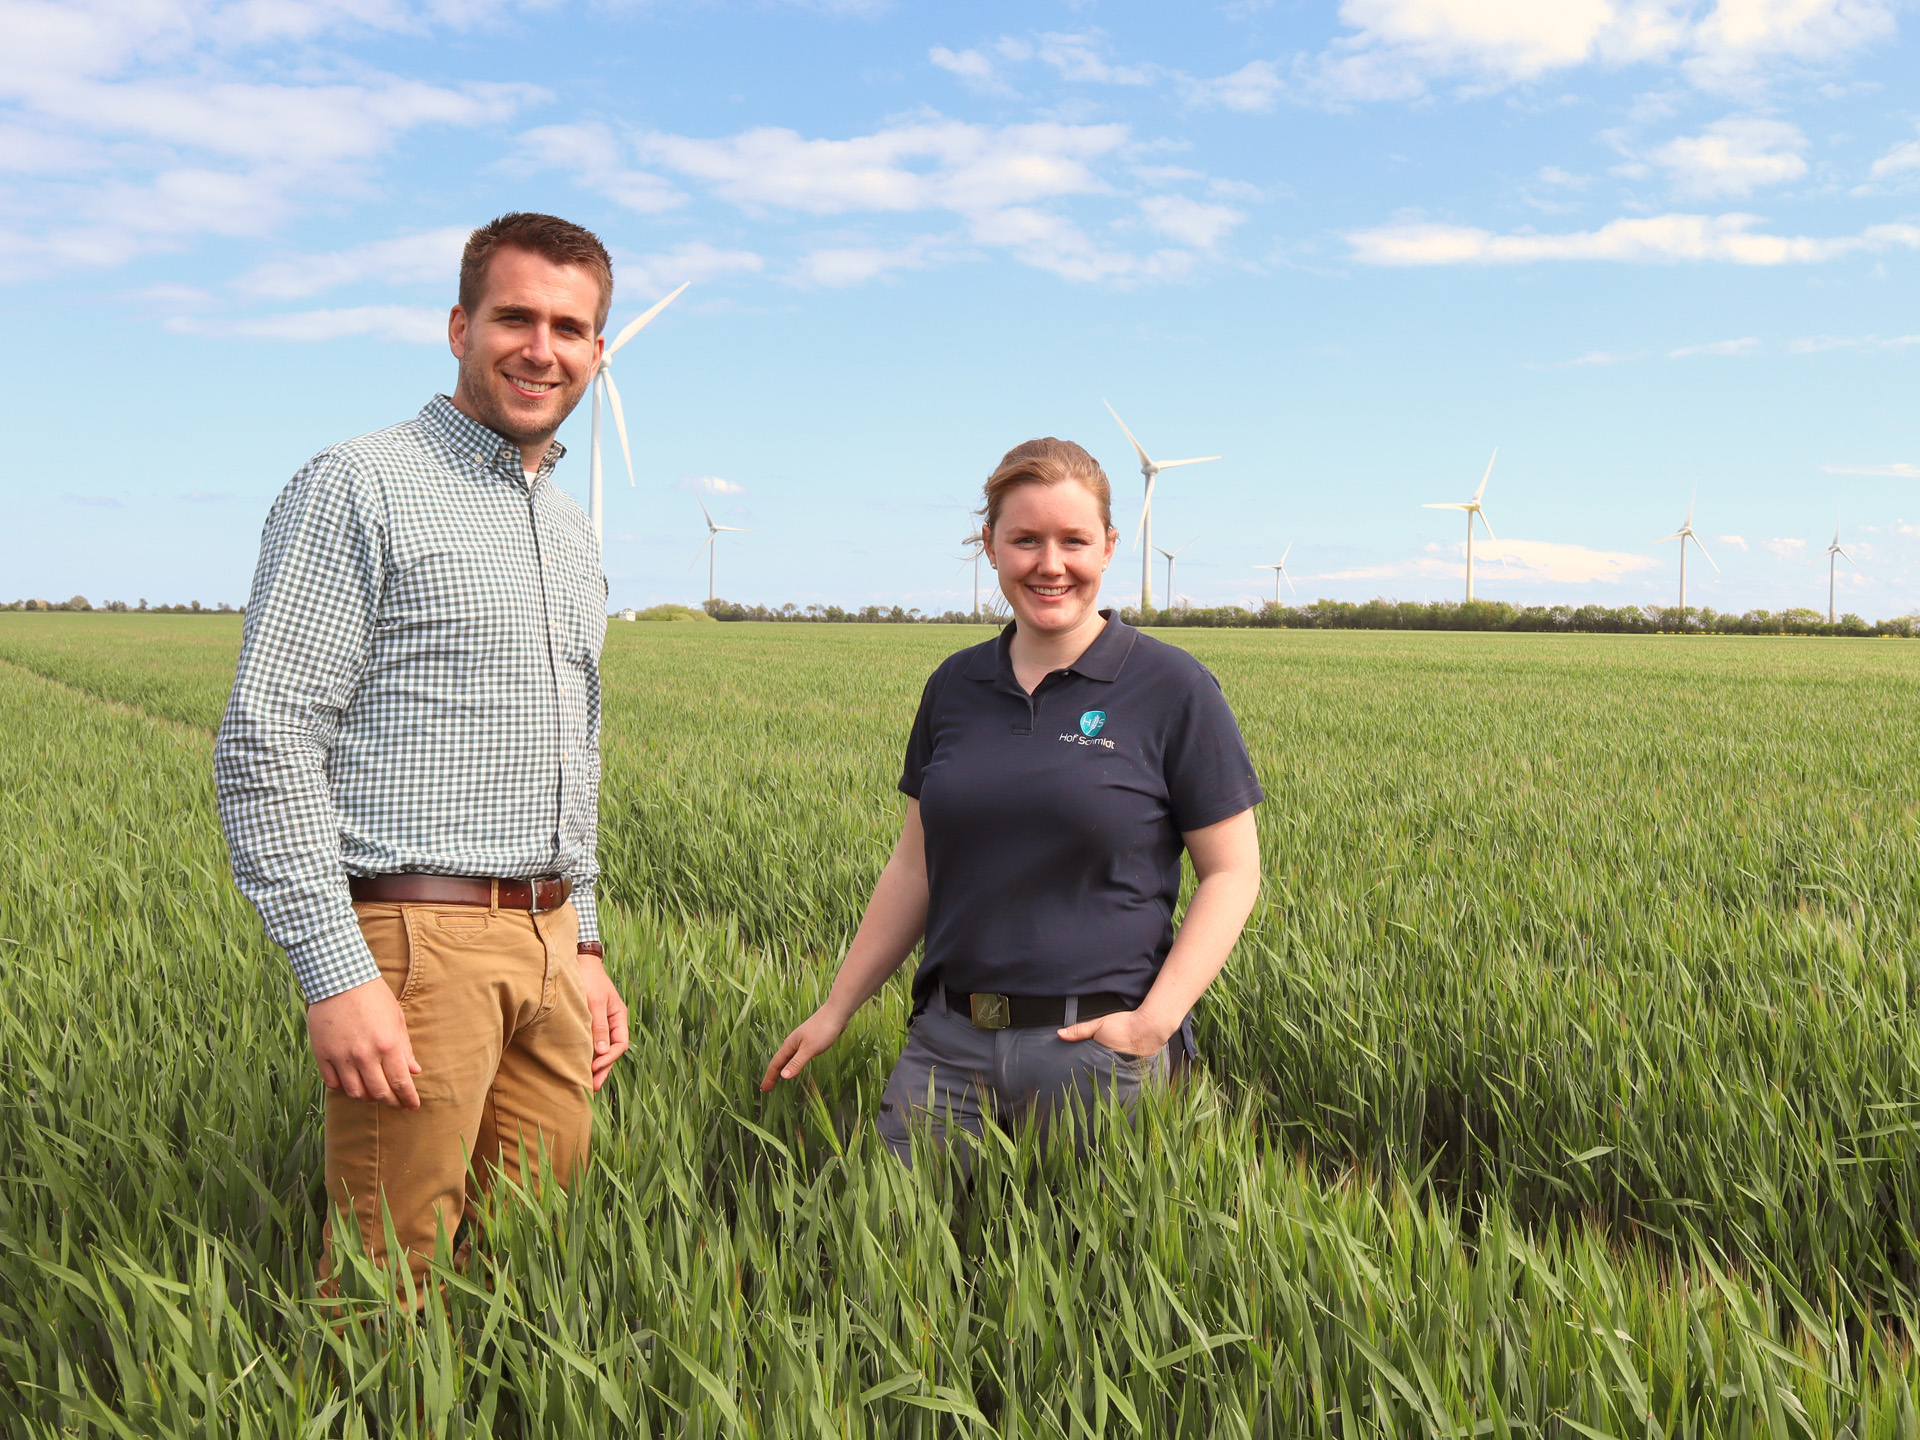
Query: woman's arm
point(895, 920)
point(1226, 857)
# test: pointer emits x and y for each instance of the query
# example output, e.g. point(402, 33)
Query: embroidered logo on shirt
point(1091, 722)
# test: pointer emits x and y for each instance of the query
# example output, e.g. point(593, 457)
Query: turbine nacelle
point(1474, 511)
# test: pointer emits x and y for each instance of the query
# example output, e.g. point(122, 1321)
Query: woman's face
point(1050, 549)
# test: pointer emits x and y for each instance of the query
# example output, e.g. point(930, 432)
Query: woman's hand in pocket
point(1126, 1032)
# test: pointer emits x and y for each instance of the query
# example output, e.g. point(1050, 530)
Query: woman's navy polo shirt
point(1053, 821)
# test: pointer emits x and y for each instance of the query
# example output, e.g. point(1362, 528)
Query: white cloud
point(1252, 89)
point(1734, 156)
point(1544, 561)
point(973, 67)
point(642, 279)
point(1400, 45)
point(1726, 238)
point(1189, 222)
point(1898, 161)
point(1737, 541)
point(412, 324)
point(1054, 243)
point(1745, 345)
point(1740, 37)
point(1082, 58)
point(852, 264)
point(933, 164)
point(599, 160)
point(152, 103)
point(712, 485)
point(1899, 470)
point(999, 181)
point(1541, 562)
point(1787, 549)
point(429, 258)
point(1397, 49)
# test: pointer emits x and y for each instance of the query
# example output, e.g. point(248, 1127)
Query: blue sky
point(1648, 248)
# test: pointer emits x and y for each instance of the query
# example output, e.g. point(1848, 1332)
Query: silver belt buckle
point(990, 1012)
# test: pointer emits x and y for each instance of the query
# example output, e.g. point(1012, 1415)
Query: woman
point(1053, 776)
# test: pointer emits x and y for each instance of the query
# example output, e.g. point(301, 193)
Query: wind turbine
point(1834, 555)
point(1472, 507)
point(603, 380)
point(1279, 573)
point(1149, 468)
point(1684, 534)
point(711, 548)
point(1170, 554)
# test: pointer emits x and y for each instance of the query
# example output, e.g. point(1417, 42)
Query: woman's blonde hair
point(1045, 461)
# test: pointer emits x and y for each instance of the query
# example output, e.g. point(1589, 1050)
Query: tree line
point(1383, 614)
point(120, 607)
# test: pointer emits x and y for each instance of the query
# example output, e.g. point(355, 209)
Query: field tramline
point(1567, 1081)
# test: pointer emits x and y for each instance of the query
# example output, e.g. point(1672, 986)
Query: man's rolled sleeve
point(307, 634)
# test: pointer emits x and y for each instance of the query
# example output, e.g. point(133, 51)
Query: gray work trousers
point(951, 1074)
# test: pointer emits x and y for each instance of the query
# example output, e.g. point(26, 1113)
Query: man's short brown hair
point(548, 236)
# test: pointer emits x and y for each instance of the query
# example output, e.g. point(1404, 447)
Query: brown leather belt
point(548, 892)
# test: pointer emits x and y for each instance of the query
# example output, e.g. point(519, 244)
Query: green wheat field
point(1566, 1082)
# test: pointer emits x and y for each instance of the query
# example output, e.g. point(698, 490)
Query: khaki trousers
point(499, 1024)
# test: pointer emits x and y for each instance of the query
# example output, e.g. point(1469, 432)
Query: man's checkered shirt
point(419, 685)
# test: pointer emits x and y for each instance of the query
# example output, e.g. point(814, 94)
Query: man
point(408, 771)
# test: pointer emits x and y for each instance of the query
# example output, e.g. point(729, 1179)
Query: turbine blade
point(1486, 477)
point(701, 551)
point(1484, 521)
point(1445, 505)
point(1146, 509)
point(1146, 460)
point(1284, 553)
point(1200, 460)
point(1703, 550)
point(737, 529)
point(634, 327)
point(1289, 579)
point(703, 511)
point(1680, 535)
point(619, 420)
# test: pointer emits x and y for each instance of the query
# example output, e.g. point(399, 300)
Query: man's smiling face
point(528, 351)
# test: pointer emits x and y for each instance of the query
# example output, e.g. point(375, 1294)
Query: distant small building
point(628, 614)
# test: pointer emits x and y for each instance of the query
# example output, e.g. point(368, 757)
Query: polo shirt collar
point(467, 438)
point(1102, 660)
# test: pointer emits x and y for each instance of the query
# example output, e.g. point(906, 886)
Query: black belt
point(1031, 1012)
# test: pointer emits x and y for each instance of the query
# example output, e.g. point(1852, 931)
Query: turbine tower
point(1279, 574)
point(710, 547)
point(1472, 507)
point(1143, 537)
point(1684, 534)
point(1170, 554)
point(603, 380)
point(1834, 555)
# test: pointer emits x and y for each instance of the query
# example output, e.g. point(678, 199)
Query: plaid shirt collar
point(488, 450)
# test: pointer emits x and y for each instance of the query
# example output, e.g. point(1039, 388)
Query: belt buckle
point(990, 1012)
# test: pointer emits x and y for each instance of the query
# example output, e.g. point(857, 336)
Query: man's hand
point(609, 1014)
point(814, 1034)
point(1127, 1032)
point(359, 1040)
